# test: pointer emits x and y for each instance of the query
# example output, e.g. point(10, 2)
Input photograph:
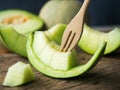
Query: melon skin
point(60, 12)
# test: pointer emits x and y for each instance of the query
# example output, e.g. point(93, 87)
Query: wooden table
point(105, 76)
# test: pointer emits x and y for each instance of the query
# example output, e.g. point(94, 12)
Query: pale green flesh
point(91, 39)
point(34, 22)
point(48, 52)
point(14, 41)
point(55, 33)
point(14, 36)
point(75, 71)
point(95, 38)
point(18, 74)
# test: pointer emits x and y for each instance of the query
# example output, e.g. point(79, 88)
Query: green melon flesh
point(18, 74)
point(55, 33)
point(44, 55)
point(14, 35)
point(48, 52)
point(91, 39)
point(14, 41)
point(33, 23)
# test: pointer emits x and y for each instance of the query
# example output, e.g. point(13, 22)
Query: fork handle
point(76, 26)
point(81, 14)
point(79, 18)
point(77, 23)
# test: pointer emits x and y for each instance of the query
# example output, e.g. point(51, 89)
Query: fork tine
point(74, 41)
point(70, 40)
point(66, 36)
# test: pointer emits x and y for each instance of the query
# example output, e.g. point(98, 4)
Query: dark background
point(102, 12)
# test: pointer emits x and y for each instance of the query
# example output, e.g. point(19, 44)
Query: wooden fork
point(74, 30)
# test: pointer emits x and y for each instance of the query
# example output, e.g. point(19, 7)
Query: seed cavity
point(16, 20)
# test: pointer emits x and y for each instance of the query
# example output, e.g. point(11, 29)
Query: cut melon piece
point(21, 20)
point(50, 61)
point(48, 52)
point(18, 74)
point(14, 41)
point(14, 26)
point(91, 39)
point(55, 33)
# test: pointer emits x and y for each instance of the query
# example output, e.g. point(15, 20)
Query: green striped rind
point(75, 71)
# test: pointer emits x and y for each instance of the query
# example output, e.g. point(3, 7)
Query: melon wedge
point(91, 39)
point(14, 41)
point(44, 55)
point(14, 27)
point(48, 51)
point(18, 74)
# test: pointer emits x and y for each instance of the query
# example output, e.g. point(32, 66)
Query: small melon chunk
point(18, 74)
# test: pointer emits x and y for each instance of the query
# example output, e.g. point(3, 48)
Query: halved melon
point(14, 26)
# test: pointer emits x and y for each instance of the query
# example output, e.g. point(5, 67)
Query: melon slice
point(48, 52)
point(18, 74)
point(14, 26)
point(21, 20)
point(91, 39)
point(44, 55)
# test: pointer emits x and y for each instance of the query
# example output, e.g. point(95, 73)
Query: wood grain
point(105, 76)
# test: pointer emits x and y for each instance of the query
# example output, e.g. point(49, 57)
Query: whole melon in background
point(60, 11)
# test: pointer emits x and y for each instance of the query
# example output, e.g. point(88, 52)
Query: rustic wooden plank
point(105, 76)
